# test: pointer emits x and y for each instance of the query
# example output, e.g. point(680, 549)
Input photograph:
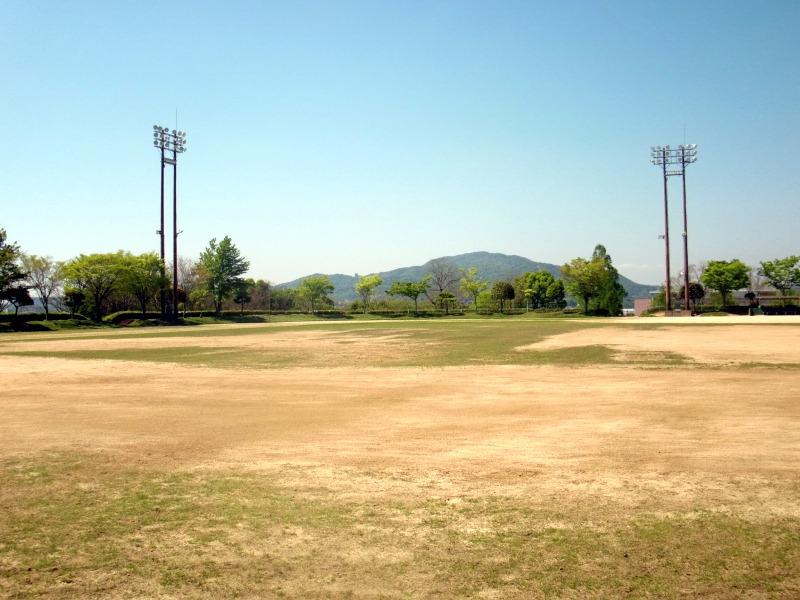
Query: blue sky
point(363, 136)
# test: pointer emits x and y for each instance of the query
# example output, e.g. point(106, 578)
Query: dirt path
point(718, 344)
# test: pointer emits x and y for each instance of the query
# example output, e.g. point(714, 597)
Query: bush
point(731, 310)
point(789, 309)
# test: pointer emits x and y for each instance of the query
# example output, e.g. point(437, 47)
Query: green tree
point(472, 285)
point(365, 287)
point(282, 299)
point(533, 287)
point(73, 300)
point(410, 289)
point(725, 276)
point(609, 299)
point(696, 293)
point(446, 301)
point(221, 266)
point(595, 282)
point(45, 275)
point(12, 277)
point(315, 289)
point(584, 279)
point(243, 293)
point(502, 291)
point(782, 273)
point(97, 276)
point(18, 296)
point(556, 295)
point(143, 278)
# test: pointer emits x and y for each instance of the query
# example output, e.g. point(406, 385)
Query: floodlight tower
point(688, 155)
point(175, 141)
point(664, 157)
point(660, 156)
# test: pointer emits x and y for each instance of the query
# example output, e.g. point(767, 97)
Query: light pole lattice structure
point(666, 157)
point(170, 141)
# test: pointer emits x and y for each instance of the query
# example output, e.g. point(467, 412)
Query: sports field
point(518, 458)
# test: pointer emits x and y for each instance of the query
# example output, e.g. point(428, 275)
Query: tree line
point(723, 277)
point(97, 284)
point(100, 283)
point(447, 288)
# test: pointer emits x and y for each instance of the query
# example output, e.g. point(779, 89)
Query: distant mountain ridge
point(492, 266)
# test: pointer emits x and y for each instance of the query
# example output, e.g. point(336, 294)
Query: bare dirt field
point(325, 466)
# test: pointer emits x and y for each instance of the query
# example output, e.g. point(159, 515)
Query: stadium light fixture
point(673, 162)
point(170, 141)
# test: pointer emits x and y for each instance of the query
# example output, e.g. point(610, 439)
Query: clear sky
point(363, 136)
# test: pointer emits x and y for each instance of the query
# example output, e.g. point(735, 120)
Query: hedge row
point(789, 309)
point(25, 317)
point(119, 317)
point(126, 315)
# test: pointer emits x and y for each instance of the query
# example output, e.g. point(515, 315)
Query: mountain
point(491, 266)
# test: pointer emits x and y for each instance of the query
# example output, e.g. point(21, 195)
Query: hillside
point(492, 266)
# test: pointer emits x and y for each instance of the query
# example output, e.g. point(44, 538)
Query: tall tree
point(609, 299)
point(45, 275)
point(410, 289)
point(501, 292)
point(782, 273)
point(315, 289)
point(97, 276)
point(584, 279)
point(143, 278)
point(12, 278)
point(221, 267)
point(472, 285)
point(595, 282)
point(365, 287)
point(725, 276)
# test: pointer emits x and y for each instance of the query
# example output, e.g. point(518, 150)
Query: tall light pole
point(665, 157)
point(688, 154)
point(175, 141)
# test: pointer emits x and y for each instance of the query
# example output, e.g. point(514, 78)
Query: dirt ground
point(711, 344)
point(474, 422)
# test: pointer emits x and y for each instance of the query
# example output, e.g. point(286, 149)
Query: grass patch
point(374, 344)
point(82, 526)
point(385, 343)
